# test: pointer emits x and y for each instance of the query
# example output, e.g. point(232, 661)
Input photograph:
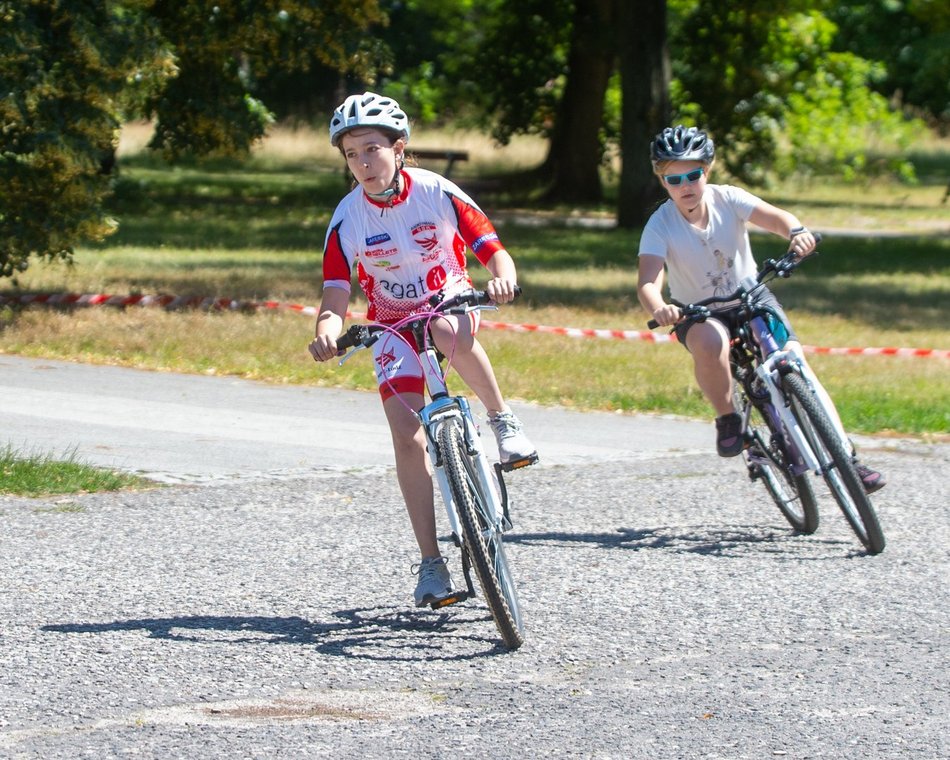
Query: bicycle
point(787, 427)
point(474, 495)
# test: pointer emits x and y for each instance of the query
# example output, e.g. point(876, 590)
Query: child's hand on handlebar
point(323, 348)
point(667, 315)
point(501, 289)
point(802, 243)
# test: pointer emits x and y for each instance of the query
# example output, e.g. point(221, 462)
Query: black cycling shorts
point(729, 318)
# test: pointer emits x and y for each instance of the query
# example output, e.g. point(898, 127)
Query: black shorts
point(729, 318)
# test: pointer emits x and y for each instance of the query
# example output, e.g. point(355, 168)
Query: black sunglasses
point(691, 177)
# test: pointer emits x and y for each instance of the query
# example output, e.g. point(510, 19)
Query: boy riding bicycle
point(699, 236)
point(405, 231)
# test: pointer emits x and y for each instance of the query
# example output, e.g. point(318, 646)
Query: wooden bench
point(433, 154)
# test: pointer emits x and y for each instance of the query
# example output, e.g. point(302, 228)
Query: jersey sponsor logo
point(430, 243)
point(423, 227)
point(379, 252)
point(436, 278)
point(404, 290)
point(425, 235)
point(389, 365)
point(487, 238)
point(382, 237)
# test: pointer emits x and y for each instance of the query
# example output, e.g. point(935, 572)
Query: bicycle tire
point(483, 541)
point(767, 459)
point(837, 464)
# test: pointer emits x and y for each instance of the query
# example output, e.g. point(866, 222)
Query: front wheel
point(482, 536)
point(768, 460)
point(837, 465)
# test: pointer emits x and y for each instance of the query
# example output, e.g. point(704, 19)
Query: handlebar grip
point(653, 324)
point(357, 335)
point(344, 342)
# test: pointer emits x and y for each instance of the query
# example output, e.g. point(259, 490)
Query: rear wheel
point(837, 465)
point(767, 459)
point(483, 539)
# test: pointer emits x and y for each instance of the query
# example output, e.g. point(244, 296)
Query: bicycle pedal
point(518, 464)
point(458, 596)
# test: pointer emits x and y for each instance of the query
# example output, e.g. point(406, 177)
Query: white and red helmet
point(368, 110)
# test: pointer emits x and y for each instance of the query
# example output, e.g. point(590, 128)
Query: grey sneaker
point(513, 444)
point(435, 583)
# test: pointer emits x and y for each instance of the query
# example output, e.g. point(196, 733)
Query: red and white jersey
point(407, 251)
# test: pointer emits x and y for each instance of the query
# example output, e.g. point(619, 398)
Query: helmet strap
point(390, 192)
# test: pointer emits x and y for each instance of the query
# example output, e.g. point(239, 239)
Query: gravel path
point(670, 613)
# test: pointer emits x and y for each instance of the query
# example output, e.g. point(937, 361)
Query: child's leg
point(708, 343)
point(412, 469)
point(458, 343)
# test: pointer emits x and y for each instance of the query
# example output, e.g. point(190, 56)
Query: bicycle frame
point(441, 409)
point(771, 362)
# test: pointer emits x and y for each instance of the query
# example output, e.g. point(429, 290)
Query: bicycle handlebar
point(698, 311)
point(366, 335)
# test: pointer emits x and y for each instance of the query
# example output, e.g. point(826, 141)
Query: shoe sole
point(726, 453)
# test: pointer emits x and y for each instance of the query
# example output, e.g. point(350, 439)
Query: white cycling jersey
point(407, 250)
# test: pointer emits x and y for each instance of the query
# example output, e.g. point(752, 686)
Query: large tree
point(63, 67)
point(72, 70)
point(576, 149)
point(645, 76)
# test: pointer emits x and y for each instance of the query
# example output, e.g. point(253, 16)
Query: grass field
point(255, 232)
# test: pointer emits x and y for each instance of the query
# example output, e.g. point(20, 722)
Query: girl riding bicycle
point(405, 230)
point(699, 236)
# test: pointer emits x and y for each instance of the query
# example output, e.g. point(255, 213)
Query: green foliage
point(221, 48)
point(522, 64)
point(44, 475)
point(72, 70)
point(62, 67)
point(911, 38)
point(768, 86)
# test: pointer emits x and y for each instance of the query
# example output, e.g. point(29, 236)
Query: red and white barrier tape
point(226, 304)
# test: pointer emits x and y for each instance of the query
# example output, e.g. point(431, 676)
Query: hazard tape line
point(584, 332)
point(172, 303)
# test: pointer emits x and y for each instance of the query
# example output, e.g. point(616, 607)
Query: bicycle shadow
point(369, 633)
point(706, 540)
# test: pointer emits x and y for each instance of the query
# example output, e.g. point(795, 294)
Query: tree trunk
point(645, 77)
point(576, 149)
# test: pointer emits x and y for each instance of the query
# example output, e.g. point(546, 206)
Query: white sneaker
point(435, 583)
point(513, 444)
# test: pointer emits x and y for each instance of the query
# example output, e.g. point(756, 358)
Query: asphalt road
point(256, 605)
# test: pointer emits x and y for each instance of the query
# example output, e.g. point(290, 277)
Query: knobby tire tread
point(451, 442)
point(806, 405)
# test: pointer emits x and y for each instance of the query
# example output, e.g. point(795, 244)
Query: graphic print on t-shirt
point(722, 279)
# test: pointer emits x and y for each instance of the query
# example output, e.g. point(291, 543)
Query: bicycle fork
point(769, 372)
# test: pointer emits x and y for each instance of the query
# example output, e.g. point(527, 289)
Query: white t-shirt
point(709, 262)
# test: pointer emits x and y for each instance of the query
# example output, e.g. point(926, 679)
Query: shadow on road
point(697, 539)
point(373, 633)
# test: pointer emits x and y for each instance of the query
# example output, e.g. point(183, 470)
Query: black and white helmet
point(368, 110)
point(681, 143)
